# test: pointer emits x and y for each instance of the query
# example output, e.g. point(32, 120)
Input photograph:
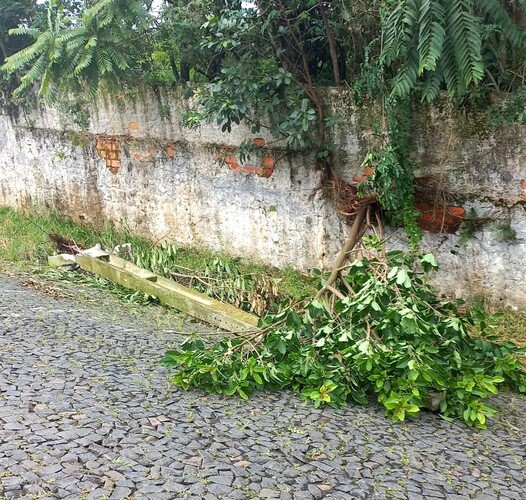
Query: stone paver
point(87, 413)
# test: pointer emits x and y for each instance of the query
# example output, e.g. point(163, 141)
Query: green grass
point(24, 236)
point(24, 240)
point(511, 326)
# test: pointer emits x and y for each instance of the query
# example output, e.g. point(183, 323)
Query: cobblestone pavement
point(87, 413)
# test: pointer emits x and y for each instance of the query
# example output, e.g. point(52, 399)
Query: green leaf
point(428, 262)
point(242, 393)
point(320, 342)
point(402, 278)
point(229, 391)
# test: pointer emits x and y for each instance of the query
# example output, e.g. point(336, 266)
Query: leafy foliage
point(392, 182)
point(419, 45)
point(511, 109)
point(221, 278)
point(12, 14)
point(270, 57)
point(392, 339)
point(76, 53)
point(436, 43)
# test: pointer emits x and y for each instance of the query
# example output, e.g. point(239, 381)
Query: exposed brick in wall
point(109, 148)
point(264, 169)
point(141, 152)
point(169, 149)
point(144, 155)
point(138, 151)
point(435, 218)
point(440, 219)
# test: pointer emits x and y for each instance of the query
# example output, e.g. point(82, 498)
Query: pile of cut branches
point(375, 330)
point(221, 279)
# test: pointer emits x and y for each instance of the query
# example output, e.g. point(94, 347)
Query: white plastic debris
point(123, 248)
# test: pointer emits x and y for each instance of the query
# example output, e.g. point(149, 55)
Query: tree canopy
point(419, 45)
point(14, 13)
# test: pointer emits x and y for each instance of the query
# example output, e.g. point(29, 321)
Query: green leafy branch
point(391, 339)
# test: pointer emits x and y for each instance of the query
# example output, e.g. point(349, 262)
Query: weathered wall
point(483, 170)
point(135, 168)
point(136, 165)
point(462, 161)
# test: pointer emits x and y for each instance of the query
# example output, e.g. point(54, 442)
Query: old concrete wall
point(136, 165)
point(462, 161)
point(484, 171)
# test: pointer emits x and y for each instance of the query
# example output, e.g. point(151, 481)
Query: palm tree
point(74, 53)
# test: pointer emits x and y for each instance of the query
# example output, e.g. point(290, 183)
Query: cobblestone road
point(87, 413)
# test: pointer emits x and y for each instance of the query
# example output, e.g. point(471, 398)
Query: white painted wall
point(193, 200)
point(190, 199)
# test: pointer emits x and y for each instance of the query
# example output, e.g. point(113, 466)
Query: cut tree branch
point(350, 243)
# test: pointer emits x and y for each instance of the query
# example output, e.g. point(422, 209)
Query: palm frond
point(447, 37)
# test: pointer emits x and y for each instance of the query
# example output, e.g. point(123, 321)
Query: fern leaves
point(427, 45)
point(496, 13)
point(437, 44)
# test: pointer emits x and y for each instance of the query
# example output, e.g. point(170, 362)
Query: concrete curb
point(184, 299)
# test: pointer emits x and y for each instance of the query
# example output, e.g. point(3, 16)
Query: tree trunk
point(173, 65)
point(185, 72)
point(3, 48)
point(349, 244)
point(332, 44)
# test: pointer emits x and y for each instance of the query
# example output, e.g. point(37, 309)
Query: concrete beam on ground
point(169, 292)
